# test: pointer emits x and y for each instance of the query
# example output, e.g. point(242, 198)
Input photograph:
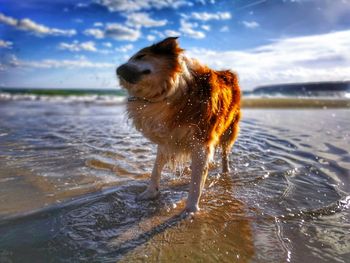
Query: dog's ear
point(167, 46)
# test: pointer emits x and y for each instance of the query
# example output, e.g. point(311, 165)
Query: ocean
point(71, 166)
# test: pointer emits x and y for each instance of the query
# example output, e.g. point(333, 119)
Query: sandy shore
point(295, 103)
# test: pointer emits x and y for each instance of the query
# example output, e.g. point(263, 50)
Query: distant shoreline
point(299, 89)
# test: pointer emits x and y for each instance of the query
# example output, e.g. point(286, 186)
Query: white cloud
point(143, 19)
point(130, 31)
point(90, 46)
point(98, 24)
point(171, 33)
point(75, 46)
point(53, 63)
point(96, 33)
point(205, 27)
point(8, 20)
point(81, 57)
point(107, 44)
point(188, 30)
point(5, 44)
point(205, 16)
point(78, 20)
point(250, 24)
point(299, 59)
point(158, 33)
point(150, 37)
point(82, 5)
point(122, 32)
point(137, 5)
point(224, 29)
point(26, 24)
point(115, 31)
point(9, 61)
point(124, 48)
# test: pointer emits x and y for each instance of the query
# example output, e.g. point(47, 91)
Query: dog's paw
point(226, 169)
point(189, 212)
point(191, 209)
point(148, 194)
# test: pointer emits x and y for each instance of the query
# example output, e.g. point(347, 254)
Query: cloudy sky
point(77, 44)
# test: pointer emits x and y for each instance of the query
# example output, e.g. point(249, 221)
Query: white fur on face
point(158, 87)
point(181, 79)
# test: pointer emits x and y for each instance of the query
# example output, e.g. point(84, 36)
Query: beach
point(70, 171)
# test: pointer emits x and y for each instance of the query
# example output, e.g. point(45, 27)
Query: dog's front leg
point(152, 190)
point(199, 166)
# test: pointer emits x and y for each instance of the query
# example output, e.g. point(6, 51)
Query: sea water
point(70, 171)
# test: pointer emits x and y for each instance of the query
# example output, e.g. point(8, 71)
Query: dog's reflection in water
point(220, 231)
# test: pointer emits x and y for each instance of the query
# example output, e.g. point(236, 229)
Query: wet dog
point(184, 107)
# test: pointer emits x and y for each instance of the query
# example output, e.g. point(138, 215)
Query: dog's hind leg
point(152, 191)
point(225, 158)
point(227, 140)
point(199, 166)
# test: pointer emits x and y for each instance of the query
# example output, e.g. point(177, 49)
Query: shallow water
point(69, 174)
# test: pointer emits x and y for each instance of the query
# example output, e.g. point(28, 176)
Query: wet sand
point(70, 173)
point(293, 102)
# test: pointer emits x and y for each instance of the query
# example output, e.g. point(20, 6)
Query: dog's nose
point(128, 73)
point(121, 69)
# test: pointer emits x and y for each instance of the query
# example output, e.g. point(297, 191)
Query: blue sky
point(78, 44)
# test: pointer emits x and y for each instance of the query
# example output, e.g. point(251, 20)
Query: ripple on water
point(286, 199)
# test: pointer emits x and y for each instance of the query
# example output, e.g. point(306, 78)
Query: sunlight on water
point(70, 173)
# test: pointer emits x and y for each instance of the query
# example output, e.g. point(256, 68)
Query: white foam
point(71, 98)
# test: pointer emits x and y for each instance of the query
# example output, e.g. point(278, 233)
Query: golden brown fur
point(183, 105)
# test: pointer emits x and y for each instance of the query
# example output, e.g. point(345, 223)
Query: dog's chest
point(156, 122)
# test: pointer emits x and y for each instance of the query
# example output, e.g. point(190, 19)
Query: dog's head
point(149, 73)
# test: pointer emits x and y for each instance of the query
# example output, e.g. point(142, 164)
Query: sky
point(79, 44)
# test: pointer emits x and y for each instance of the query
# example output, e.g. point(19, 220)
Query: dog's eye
point(140, 56)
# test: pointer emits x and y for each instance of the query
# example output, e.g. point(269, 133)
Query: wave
point(248, 101)
point(91, 98)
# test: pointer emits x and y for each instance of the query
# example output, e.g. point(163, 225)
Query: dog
point(184, 107)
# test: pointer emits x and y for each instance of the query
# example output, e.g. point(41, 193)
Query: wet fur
point(187, 109)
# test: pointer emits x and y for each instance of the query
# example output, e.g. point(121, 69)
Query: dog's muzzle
point(129, 73)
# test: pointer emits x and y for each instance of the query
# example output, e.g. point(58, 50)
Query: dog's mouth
point(131, 74)
point(126, 81)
